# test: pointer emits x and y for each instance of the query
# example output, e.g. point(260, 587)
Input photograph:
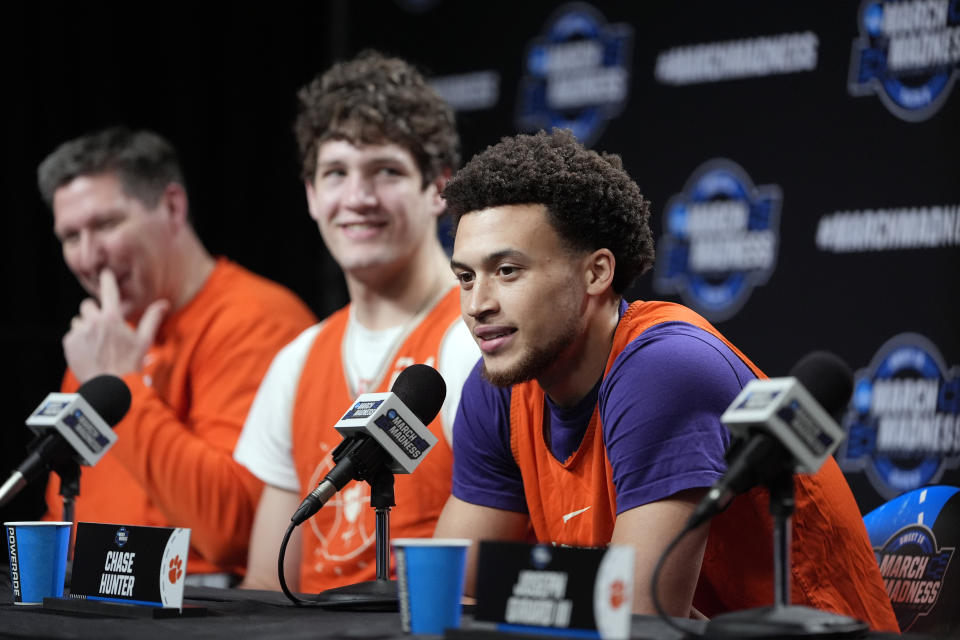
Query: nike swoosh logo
point(574, 514)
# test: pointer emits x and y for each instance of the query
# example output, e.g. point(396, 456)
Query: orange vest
point(833, 565)
point(339, 541)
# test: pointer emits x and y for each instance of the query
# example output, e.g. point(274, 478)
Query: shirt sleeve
point(484, 471)
point(185, 462)
point(660, 407)
point(265, 446)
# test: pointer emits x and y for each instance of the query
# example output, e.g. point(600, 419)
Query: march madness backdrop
point(801, 159)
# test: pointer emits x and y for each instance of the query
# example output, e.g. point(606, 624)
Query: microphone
point(382, 431)
point(71, 425)
point(781, 425)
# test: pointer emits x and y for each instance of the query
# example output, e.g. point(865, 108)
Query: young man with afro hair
point(377, 146)
point(594, 421)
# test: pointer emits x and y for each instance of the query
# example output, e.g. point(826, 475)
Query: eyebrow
point(384, 159)
point(492, 258)
point(97, 217)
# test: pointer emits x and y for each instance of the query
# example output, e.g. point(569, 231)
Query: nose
point(89, 257)
point(479, 301)
point(360, 193)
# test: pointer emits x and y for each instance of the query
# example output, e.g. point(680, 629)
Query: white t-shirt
point(266, 443)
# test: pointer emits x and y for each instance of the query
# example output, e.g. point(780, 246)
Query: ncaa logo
point(576, 74)
point(908, 53)
point(122, 536)
point(720, 239)
point(540, 556)
point(903, 423)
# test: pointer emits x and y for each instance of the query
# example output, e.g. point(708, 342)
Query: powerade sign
point(903, 424)
point(576, 74)
point(14, 555)
point(907, 53)
point(721, 236)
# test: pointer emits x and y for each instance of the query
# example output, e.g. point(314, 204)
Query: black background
point(220, 84)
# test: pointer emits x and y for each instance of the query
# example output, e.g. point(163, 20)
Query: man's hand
point(100, 341)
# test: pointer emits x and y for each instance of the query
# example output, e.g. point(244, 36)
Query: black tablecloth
point(235, 615)
point(238, 615)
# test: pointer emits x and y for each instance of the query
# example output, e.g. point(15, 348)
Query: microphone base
point(793, 621)
point(374, 595)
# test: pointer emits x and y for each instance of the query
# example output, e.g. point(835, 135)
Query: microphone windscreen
point(108, 395)
point(827, 378)
point(422, 389)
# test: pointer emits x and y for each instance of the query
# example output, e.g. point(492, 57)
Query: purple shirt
point(660, 409)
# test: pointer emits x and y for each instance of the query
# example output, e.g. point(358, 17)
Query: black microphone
point(382, 431)
point(781, 425)
point(75, 426)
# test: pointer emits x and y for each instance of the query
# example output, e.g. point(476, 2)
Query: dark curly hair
point(143, 161)
point(374, 99)
point(590, 199)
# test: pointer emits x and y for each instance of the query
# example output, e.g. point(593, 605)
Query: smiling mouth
point(491, 340)
point(363, 224)
point(499, 333)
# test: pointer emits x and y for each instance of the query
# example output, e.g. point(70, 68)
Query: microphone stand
point(69, 472)
point(379, 594)
point(783, 620)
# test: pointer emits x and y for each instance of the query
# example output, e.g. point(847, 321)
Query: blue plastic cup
point(430, 575)
point(38, 559)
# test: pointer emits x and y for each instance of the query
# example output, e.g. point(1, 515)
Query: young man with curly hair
point(377, 146)
point(594, 421)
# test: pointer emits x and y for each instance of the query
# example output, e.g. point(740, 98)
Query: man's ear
point(176, 205)
point(438, 205)
point(598, 270)
point(311, 198)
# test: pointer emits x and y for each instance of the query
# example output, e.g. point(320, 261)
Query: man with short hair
point(377, 145)
point(597, 422)
point(190, 334)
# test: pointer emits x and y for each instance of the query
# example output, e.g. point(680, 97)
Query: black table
point(239, 615)
point(236, 615)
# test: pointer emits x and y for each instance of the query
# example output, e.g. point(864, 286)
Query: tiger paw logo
point(176, 569)
point(618, 593)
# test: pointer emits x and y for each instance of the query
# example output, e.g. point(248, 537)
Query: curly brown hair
point(590, 200)
point(374, 99)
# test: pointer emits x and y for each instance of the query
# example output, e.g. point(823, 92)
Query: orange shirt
point(339, 541)
point(833, 566)
point(172, 464)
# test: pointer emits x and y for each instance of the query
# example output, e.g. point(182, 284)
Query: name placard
point(582, 592)
point(134, 565)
